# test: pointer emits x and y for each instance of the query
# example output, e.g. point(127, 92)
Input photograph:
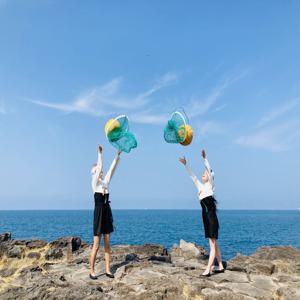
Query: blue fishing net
point(175, 130)
point(118, 134)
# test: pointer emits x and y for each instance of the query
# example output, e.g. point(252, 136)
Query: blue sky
point(66, 67)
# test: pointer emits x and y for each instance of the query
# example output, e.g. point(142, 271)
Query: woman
point(103, 219)
point(209, 216)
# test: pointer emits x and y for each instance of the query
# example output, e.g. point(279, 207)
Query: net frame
point(183, 117)
point(116, 119)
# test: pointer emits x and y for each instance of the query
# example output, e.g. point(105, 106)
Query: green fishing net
point(175, 130)
point(118, 134)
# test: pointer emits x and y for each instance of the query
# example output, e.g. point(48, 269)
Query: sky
point(66, 67)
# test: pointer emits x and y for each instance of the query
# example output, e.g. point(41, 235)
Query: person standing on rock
point(209, 215)
point(103, 219)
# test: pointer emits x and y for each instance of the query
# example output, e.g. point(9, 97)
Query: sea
point(241, 231)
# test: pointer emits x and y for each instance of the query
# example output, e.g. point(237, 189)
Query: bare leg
point(107, 252)
point(218, 256)
point(212, 255)
point(94, 254)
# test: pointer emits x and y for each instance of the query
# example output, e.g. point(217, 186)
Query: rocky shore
point(35, 269)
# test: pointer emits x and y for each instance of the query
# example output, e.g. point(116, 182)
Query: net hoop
point(181, 116)
point(116, 119)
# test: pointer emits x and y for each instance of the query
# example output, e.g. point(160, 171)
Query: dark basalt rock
point(166, 259)
point(68, 243)
point(63, 247)
point(131, 257)
point(54, 254)
point(14, 252)
point(7, 272)
point(36, 244)
point(75, 243)
point(35, 255)
point(6, 236)
point(31, 269)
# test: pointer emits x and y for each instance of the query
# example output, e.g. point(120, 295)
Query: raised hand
point(100, 149)
point(203, 153)
point(182, 160)
point(119, 152)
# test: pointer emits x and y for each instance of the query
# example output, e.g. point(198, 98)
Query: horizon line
point(91, 209)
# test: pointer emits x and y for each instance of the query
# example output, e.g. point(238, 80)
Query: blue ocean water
point(240, 230)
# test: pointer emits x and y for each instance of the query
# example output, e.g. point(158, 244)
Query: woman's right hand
point(182, 160)
point(99, 149)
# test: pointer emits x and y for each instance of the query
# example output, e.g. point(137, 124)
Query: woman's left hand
point(182, 160)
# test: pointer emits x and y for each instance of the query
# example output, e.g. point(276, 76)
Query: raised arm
point(97, 169)
point(100, 161)
point(208, 168)
point(112, 168)
point(194, 178)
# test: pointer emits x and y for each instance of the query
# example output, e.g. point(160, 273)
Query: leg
point(94, 254)
point(218, 256)
point(212, 255)
point(107, 252)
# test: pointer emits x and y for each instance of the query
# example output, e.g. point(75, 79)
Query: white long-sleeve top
point(101, 185)
point(204, 189)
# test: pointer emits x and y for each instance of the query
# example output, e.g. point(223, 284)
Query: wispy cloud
point(278, 111)
point(3, 110)
point(199, 106)
point(108, 99)
point(220, 107)
point(210, 127)
point(148, 117)
point(276, 138)
point(269, 134)
point(164, 81)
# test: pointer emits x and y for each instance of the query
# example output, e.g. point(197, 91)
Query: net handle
point(181, 115)
point(116, 119)
point(185, 115)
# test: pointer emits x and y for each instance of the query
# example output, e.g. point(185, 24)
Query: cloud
point(3, 110)
point(271, 135)
point(210, 127)
point(147, 117)
point(107, 99)
point(200, 107)
point(278, 111)
point(166, 80)
point(276, 138)
point(220, 107)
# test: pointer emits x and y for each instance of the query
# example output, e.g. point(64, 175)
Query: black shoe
point(110, 275)
point(205, 275)
point(93, 277)
point(219, 271)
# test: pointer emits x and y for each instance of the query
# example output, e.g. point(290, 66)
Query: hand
point(100, 149)
point(119, 152)
point(203, 153)
point(182, 160)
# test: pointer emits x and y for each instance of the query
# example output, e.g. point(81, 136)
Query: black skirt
point(103, 219)
point(209, 217)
